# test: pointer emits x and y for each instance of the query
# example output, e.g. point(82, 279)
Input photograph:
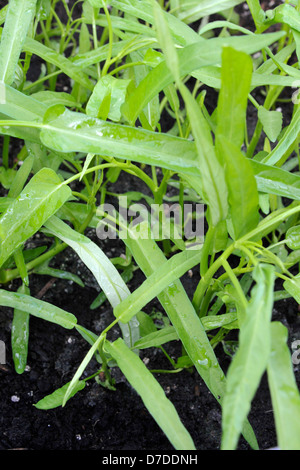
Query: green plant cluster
point(128, 64)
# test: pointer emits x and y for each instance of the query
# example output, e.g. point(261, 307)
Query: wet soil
point(98, 418)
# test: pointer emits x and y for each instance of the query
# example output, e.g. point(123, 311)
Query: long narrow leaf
point(18, 18)
point(104, 271)
point(163, 277)
point(251, 359)
point(152, 394)
point(38, 308)
point(214, 188)
point(39, 200)
point(284, 390)
point(71, 131)
point(185, 320)
point(20, 335)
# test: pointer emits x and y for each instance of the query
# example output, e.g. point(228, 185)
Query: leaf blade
point(152, 394)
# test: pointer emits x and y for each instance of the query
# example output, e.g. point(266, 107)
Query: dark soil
point(98, 418)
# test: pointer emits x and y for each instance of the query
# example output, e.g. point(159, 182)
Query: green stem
point(235, 283)
point(206, 250)
point(206, 279)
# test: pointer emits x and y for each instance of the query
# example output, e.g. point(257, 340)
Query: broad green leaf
point(38, 308)
point(18, 18)
point(271, 121)
point(242, 188)
point(283, 14)
point(163, 277)
point(7, 176)
point(284, 144)
point(55, 399)
point(292, 286)
point(104, 271)
point(17, 104)
point(77, 132)
point(110, 86)
point(191, 58)
point(284, 390)
point(152, 394)
point(20, 335)
point(39, 200)
point(192, 10)
point(274, 180)
point(293, 237)
point(233, 98)
point(251, 359)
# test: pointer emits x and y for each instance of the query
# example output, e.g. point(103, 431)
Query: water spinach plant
point(130, 67)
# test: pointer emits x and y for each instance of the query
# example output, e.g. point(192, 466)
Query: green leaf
point(230, 133)
point(274, 180)
point(233, 98)
point(165, 40)
point(20, 335)
point(185, 320)
point(38, 308)
point(284, 390)
point(242, 188)
point(60, 61)
point(293, 237)
point(213, 183)
point(163, 277)
point(152, 394)
point(52, 98)
point(77, 132)
point(21, 177)
point(283, 14)
point(191, 58)
point(251, 359)
point(190, 11)
point(143, 10)
point(104, 271)
point(110, 86)
point(271, 121)
point(168, 333)
point(55, 399)
point(18, 18)
point(157, 338)
point(286, 141)
point(292, 286)
point(39, 200)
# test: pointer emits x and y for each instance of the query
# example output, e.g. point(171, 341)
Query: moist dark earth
point(98, 418)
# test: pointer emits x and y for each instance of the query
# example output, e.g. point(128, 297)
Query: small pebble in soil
point(15, 398)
